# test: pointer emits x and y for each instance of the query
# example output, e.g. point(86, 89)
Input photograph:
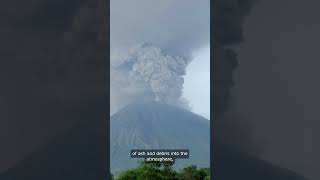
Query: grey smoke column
point(151, 45)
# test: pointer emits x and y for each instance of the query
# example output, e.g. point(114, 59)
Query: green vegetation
point(163, 171)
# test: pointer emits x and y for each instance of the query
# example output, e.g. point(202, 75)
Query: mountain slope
point(155, 125)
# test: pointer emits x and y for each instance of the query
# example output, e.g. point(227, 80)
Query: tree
point(163, 171)
point(193, 173)
point(111, 176)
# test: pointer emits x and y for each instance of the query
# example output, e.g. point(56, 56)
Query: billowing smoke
point(145, 71)
point(229, 16)
point(151, 45)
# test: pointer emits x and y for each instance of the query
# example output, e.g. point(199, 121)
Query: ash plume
point(151, 45)
point(147, 73)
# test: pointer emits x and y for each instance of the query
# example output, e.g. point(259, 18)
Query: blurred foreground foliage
point(163, 171)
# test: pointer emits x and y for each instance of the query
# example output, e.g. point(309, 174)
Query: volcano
point(154, 125)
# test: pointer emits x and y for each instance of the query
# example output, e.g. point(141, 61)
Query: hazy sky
point(197, 82)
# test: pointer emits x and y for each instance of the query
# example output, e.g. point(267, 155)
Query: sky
point(197, 82)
